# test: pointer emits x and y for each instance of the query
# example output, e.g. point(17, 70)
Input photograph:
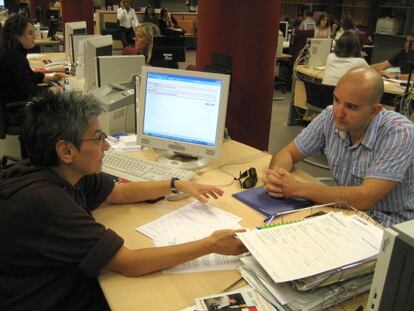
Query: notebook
point(258, 199)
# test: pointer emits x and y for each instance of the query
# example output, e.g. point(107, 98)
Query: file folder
point(258, 199)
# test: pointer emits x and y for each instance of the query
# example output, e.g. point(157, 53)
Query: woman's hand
point(58, 76)
point(199, 191)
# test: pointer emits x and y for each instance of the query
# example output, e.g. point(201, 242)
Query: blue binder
point(258, 199)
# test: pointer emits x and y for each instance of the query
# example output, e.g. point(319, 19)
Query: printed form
point(324, 243)
point(189, 223)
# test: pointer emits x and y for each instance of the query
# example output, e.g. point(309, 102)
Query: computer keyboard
point(135, 169)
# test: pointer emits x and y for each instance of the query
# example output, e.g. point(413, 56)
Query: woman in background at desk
point(144, 40)
point(17, 80)
point(149, 15)
point(168, 25)
point(347, 55)
point(322, 30)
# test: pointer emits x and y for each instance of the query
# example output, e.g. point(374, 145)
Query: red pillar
point(75, 11)
point(245, 30)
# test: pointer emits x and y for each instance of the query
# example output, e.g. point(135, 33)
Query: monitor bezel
point(285, 35)
point(138, 60)
point(186, 147)
point(69, 28)
point(92, 44)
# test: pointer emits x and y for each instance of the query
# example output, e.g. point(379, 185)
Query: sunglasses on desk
point(248, 179)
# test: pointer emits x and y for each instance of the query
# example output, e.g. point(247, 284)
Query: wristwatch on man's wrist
point(173, 187)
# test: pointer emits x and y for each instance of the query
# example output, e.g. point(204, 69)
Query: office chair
point(362, 35)
point(297, 43)
point(8, 128)
point(318, 97)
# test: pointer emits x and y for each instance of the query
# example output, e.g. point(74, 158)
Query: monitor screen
point(2, 3)
point(93, 47)
point(182, 111)
point(167, 49)
point(117, 68)
point(70, 29)
point(283, 27)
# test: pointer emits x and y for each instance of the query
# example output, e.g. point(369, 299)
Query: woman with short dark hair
point(347, 55)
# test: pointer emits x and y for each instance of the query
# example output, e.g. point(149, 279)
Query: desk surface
point(160, 291)
point(389, 87)
point(47, 41)
point(36, 59)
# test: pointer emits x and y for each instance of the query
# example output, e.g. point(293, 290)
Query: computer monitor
point(74, 44)
point(309, 26)
point(182, 112)
point(318, 51)
point(117, 68)
point(70, 29)
point(392, 286)
point(93, 47)
point(167, 51)
point(284, 27)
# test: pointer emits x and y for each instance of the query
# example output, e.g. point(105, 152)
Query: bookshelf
point(399, 9)
point(363, 11)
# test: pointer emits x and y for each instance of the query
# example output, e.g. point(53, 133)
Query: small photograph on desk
point(229, 302)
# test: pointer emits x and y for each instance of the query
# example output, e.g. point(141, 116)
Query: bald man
point(370, 153)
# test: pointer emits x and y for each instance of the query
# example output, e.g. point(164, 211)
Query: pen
point(269, 218)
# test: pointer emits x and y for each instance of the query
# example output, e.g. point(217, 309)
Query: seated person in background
point(369, 150)
point(168, 24)
point(398, 60)
point(144, 39)
point(50, 201)
point(348, 24)
point(347, 55)
point(334, 25)
point(308, 23)
point(128, 22)
point(322, 29)
point(149, 15)
point(17, 80)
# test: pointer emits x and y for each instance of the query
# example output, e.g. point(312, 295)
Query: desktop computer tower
point(318, 51)
point(393, 284)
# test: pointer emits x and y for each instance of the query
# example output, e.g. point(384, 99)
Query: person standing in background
point(128, 22)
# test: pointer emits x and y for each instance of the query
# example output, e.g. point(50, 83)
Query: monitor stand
point(183, 161)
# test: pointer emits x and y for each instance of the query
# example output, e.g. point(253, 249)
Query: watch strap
point(172, 183)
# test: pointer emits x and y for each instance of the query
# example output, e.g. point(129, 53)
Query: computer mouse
point(176, 196)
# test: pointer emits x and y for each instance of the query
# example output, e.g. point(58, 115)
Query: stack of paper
point(189, 223)
point(334, 249)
